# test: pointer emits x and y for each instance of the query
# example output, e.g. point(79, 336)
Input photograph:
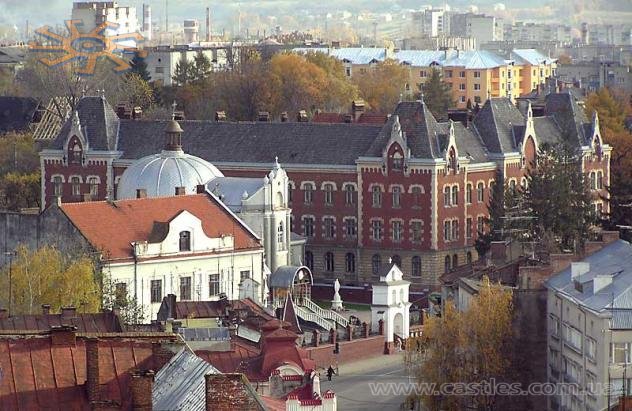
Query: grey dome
point(160, 174)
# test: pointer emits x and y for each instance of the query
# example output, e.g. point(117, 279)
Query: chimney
point(357, 108)
point(200, 189)
point(180, 191)
point(600, 282)
point(68, 312)
point(160, 355)
point(92, 370)
point(45, 309)
point(220, 116)
point(348, 118)
point(141, 193)
point(579, 268)
point(64, 335)
point(141, 385)
point(284, 117)
point(4, 313)
point(264, 116)
point(171, 305)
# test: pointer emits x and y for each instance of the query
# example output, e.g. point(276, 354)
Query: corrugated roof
point(180, 384)
point(85, 322)
point(475, 59)
point(529, 56)
point(422, 58)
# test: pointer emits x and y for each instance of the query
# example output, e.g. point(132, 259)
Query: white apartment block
point(94, 13)
point(162, 60)
point(589, 334)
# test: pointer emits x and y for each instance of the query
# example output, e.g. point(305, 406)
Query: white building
point(94, 13)
point(162, 60)
point(391, 304)
point(589, 337)
point(431, 22)
point(479, 26)
point(191, 31)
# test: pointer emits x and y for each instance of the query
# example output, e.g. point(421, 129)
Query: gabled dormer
point(76, 143)
point(596, 143)
point(528, 142)
point(180, 236)
point(450, 151)
point(396, 153)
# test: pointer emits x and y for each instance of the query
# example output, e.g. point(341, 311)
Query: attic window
point(185, 241)
point(398, 161)
point(75, 154)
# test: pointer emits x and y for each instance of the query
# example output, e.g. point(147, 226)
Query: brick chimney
point(200, 189)
point(171, 305)
point(348, 118)
point(226, 392)
point(220, 116)
point(160, 354)
point(63, 335)
point(45, 309)
point(264, 116)
point(180, 191)
point(141, 385)
point(68, 312)
point(284, 117)
point(141, 193)
point(301, 117)
point(92, 370)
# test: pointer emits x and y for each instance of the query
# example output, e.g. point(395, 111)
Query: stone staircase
point(326, 314)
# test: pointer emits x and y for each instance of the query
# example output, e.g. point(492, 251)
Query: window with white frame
point(350, 194)
point(415, 266)
point(416, 228)
point(572, 337)
point(468, 227)
point(593, 180)
point(468, 193)
point(555, 326)
point(308, 193)
point(94, 186)
point(75, 182)
point(350, 262)
point(416, 192)
point(397, 193)
point(477, 86)
point(455, 230)
point(377, 196)
point(447, 197)
point(308, 226)
point(330, 227)
point(397, 230)
point(620, 353)
point(185, 288)
point(480, 192)
point(480, 224)
point(329, 194)
point(376, 230)
point(599, 180)
point(351, 227)
point(447, 230)
point(213, 285)
point(329, 261)
point(57, 185)
point(455, 196)
point(591, 348)
point(280, 233)
point(156, 291)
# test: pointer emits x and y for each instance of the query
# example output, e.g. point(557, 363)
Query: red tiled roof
point(91, 322)
point(39, 375)
point(273, 404)
point(372, 118)
point(111, 227)
point(211, 309)
point(328, 118)
point(365, 118)
point(242, 357)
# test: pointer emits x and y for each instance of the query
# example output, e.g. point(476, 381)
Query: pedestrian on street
point(330, 372)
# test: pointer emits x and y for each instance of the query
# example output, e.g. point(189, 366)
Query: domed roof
point(160, 174)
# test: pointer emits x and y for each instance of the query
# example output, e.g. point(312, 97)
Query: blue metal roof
point(476, 59)
point(283, 276)
point(180, 384)
point(613, 260)
point(354, 55)
point(422, 58)
point(530, 56)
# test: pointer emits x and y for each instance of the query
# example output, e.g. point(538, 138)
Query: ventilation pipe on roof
point(180, 191)
point(141, 193)
point(141, 384)
point(284, 117)
point(579, 268)
point(45, 309)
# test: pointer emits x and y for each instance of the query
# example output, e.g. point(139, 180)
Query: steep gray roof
point(547, 130)
point(16, 113)
point(569, 116)
point(293, 143)
point(99, 124)
point(231, 189)
point(180, 384)
point(494, 124)
point(469, 143)
point(614, 260)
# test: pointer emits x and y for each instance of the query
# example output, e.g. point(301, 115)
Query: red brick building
point(413, 190)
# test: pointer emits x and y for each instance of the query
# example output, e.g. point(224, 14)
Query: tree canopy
point(383, 86)
point(437, 95)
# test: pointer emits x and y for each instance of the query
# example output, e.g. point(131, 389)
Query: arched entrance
point(398, 325)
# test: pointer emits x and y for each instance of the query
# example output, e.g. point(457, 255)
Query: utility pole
point(10, 254)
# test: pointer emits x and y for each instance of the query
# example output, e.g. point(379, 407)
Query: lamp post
point(10, 254)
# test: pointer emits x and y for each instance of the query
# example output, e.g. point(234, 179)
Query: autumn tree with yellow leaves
point(44, 276)
point(470, 346)
point(383, 85)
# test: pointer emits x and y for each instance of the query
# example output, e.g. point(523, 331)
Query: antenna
point(166, 16)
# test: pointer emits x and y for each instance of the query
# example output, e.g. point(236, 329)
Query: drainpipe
point(135, 271)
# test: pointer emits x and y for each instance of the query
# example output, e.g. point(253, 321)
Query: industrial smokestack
point(147, 21)
point(208, 24)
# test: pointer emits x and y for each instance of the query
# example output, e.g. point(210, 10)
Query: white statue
point(336, 303)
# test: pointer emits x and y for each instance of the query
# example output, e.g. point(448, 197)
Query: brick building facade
point(412, 190)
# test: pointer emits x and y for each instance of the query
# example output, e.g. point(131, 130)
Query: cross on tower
point(174, 105)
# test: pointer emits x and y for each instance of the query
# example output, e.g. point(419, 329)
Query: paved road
point(352, 385)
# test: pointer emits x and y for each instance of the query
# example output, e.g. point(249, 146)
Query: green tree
point(496, 220)
point(139, 67)
point(201, 68)
point(437, 95)
point(18, 153)
point(137, 91)
point(45, 276)
point(130, 311)
point(184, 72)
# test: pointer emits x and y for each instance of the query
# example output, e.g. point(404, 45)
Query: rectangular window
point(308, 194)
point(160, 70)
point(330, 227)
point(416, 231)
point(397, 231)
point(349, 194)
point(376, 228)
point(446, 196)
point(462, 86)
point(619, 353)
point(477, 87)
point(94, 187)
point(423, 73)
point(455, 230)
point(308, 226)
point(468, 227)
point(468, 194)
point(244, 275)
point(448, 73)
point(591, 348)
point(351, 227)
point(396, 196)
point(329, 194)
point(76, 186)
point(477, 74)
point(462, 74)
point(377, 196)
point(447, 230)
point(156, 291)
point(57, 186)
point(480, 224)
point(213, 285)
point(572, 337)
point(185, 288)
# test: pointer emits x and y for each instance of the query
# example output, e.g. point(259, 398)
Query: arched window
point(452, 164)
point(185, 241)
point(397, 260)
point(446, 196)
point(416, 191)
point(329, 194)
point(447, 263)
point(329, 261)
point(397, 191)
point(480, 192)
point(416, 266)
point(469, 257)
point(468, 194)
point(308, 193)
point(94, 186)
point(593, 180)
point(350, 262)
point(57, 185)
point(455, 195)
point(599, 180)
point(398, 161)
point(512, 186)
point(350, 194)
point(75, 152)
point(455, 261)
point(76, 186)
point(376, 264)
point(309, 260)
point(377, 196)
point(289, 192)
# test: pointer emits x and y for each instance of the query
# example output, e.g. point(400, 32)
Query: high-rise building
point(94, 13)
point(191, 31)
point(147, 21)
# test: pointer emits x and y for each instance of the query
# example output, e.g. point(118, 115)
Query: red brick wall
point(350, 351)
point(96, 168)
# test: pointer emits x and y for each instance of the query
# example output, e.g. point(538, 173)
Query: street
point(352, 385)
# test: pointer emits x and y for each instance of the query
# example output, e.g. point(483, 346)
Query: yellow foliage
point(383, 86)
point(43, 277)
